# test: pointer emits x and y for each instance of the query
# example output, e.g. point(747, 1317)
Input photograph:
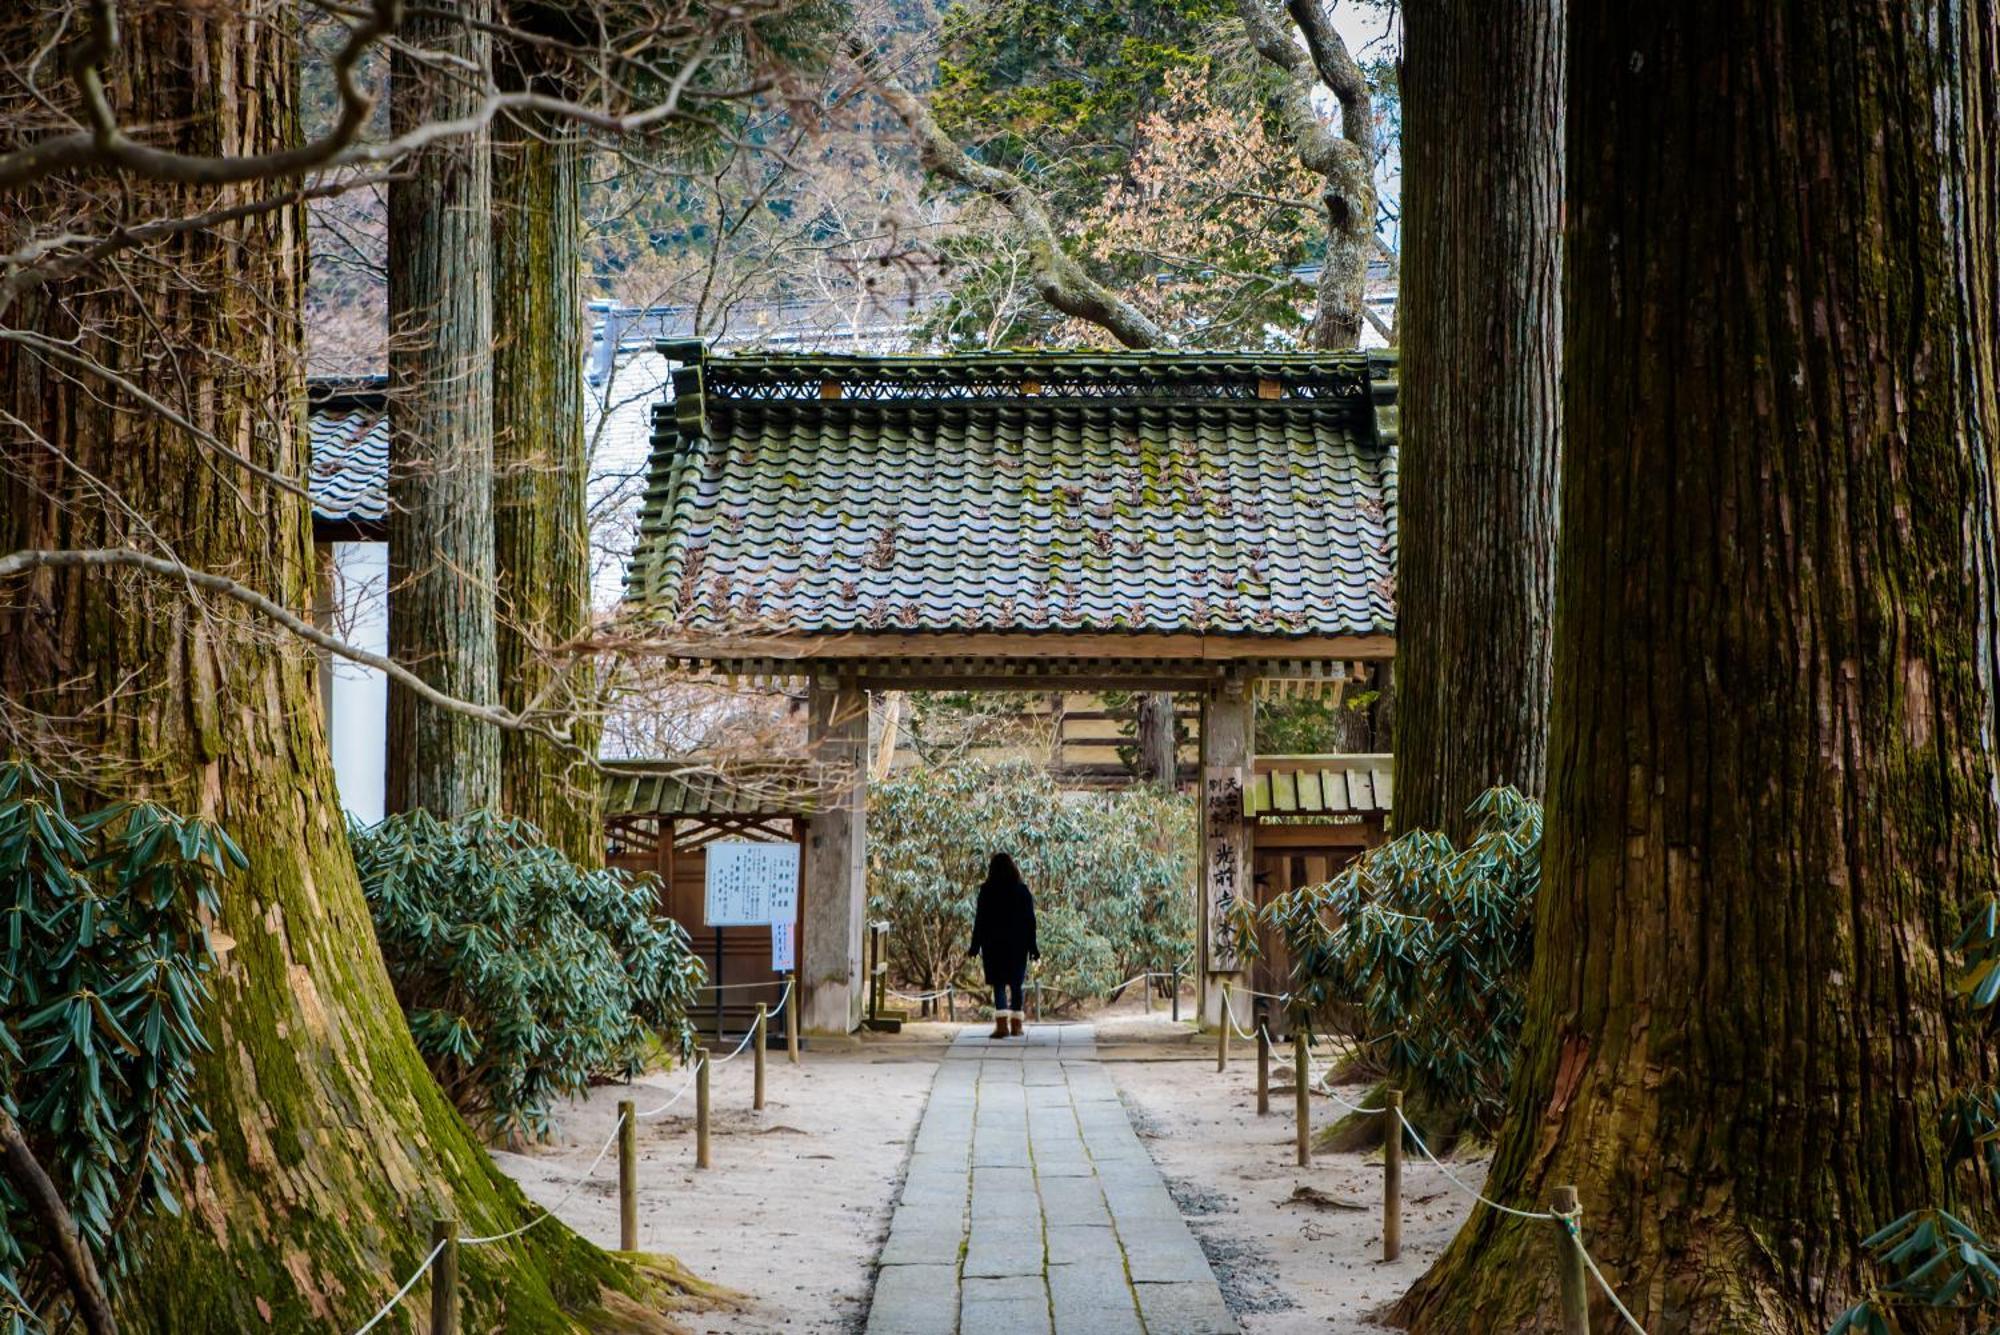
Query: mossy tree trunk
point(541, 468)
point(441, 578)
point(1481, 327)
point(1771, 771)
point(331, 1146)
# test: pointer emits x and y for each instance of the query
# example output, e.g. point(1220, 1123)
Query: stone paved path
point(1031, 1206)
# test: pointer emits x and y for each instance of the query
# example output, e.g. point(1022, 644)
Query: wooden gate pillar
point(835, 864)
point(1226, 747)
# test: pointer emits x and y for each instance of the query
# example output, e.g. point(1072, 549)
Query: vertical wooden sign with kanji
point(1225, 850)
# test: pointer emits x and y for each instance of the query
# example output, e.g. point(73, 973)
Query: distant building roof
point(1048, 492)
point(348, 424)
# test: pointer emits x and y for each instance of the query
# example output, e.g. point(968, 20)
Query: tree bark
point(329, 1137)
point(1159, 759)
point(1480, 377)
point(541, 469)
point(1771, 756)
point(441, 572)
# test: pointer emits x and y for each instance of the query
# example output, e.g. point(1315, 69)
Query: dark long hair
point(1002, 874)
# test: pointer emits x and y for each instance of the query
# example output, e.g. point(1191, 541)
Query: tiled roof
point(349, 481)
point(1120, 492)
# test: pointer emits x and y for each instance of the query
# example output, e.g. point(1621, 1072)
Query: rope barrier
point(742, 1043)
point(1569, 1223)
point(1229, 1015)
point(403, 1292)
point(1460, 1183)
point(737, 987)
point(679, 1094)
point(920, 996)
point(576, 1185)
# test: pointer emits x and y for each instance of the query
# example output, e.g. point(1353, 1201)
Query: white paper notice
point(742, 880)
point(784, 909)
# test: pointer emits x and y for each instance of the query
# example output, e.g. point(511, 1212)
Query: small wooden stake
point(628, 1176)
point(1222, 1031)
point(1569, 1265)
point(757, 1051)
point(1147, 984)
point(444, 1278)
point(1301, 1095)
point(792, 1023)
point(701, 1108)
point(1263, 1070)
point(1392, 1174)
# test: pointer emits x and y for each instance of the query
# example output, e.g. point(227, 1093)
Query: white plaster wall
point(358, 718)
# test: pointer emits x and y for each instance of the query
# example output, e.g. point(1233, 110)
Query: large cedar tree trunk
point(331, 1145)
point(1771, 769)
point(540, 519)
point(1481, 326)
point(441, 609)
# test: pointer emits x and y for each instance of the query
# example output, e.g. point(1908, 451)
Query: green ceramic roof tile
point(1143, 492)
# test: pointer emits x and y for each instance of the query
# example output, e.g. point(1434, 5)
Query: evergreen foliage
point(106, 977)
point(1427, 945)
point(523, 975)
point(1112, 874)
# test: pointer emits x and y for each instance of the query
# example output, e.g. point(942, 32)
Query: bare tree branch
point(1346, 162)
point(1062, 282)
point(49, 347)
point(105, 142)
point(19, 563)
point(1339, 72)
point(24, 1170)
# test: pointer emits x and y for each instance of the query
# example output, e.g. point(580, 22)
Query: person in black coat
point(1003, 936)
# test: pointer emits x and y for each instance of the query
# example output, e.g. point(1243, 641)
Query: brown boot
point(999, 1024)
point(1015, 1021)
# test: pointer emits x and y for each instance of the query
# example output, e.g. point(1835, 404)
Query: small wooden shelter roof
point(678, 787)
point(1356, 785)
point(986, 513)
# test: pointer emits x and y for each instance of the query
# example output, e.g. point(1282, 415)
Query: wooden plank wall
point(745, 951)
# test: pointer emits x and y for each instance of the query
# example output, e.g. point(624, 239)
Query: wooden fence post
point(757, 1048)
point(951, 1003)
point(1392, 1174)
point(628, 1176)
point(1569, 1263)
point(701, 1108)
point(1302, 1095)
point(1146, 984)
point(444, 1278)
point(1177, 994)
point(1263, 1070)
point(1222, 1032)
point(792, 1004)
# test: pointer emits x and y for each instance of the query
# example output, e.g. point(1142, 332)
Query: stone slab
point(1004, 1307)
point(1184, 1309)
point(909, 1298)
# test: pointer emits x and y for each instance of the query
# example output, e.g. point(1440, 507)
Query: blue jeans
point(1009, 987)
